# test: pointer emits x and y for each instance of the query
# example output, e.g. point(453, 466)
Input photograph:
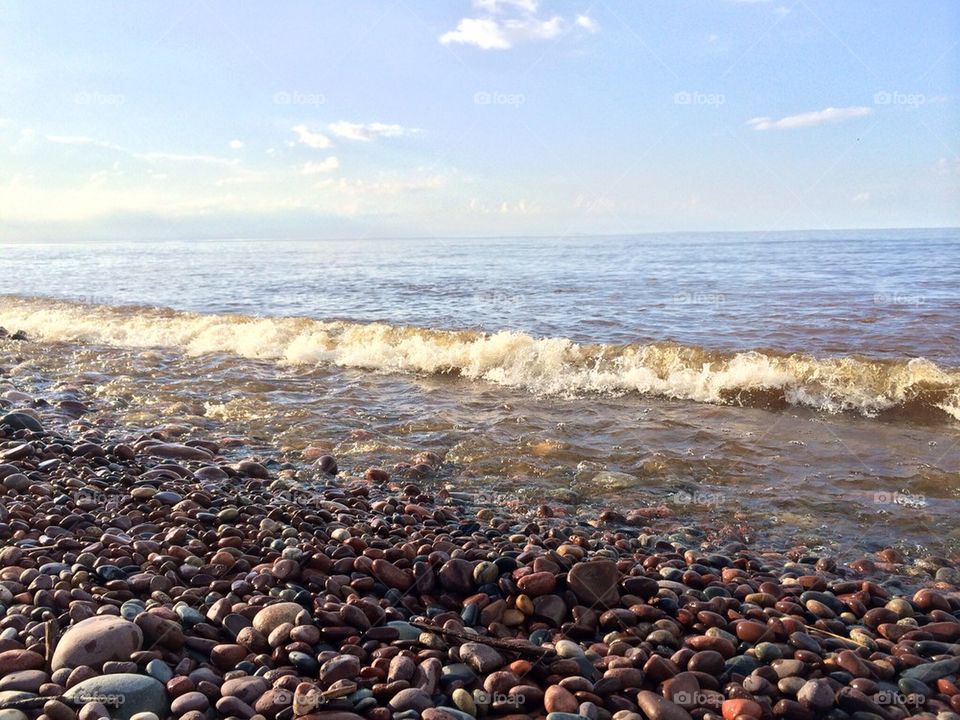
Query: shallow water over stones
point(244, 587)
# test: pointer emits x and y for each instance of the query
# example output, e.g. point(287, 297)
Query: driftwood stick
point(514, 646)
point(51, 633)
point(34, 702)
point(834, 636)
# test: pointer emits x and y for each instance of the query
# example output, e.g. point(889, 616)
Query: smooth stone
point(406, 630)
point(160, 670)
point(568, 649)
point(788, 668)
point(457, 672)
point(464, 701)
point(657, 707)
point(559, 699)
point(174, 451)
point(17, 660)
point(13, 714)
point(411, 699)
point(273, 616)
point(767, 652)
point(595, 583)
point(456, 575)
point(480, 657)
point(24, 680)
point(21, 421)
point(140, 693)
point(248, 689)
point(96, 640)
point(453, 712)
point(738, 708)
point(188, 702)
point(930, 672)
point(341, 667)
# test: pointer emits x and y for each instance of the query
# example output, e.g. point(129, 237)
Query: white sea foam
point(554, 366)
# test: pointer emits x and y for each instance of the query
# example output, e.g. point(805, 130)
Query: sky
point(202, 118)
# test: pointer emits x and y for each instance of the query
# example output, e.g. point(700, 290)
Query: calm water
point(886, 294)
point(802, 387)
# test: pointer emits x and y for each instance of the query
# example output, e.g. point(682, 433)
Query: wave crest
point(916, 388)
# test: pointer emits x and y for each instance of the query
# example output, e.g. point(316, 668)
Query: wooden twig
point(32, 702)
point(835, 636)
point(50, 636)
point(514, 646)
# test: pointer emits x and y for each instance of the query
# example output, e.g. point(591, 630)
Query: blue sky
point(506, 117)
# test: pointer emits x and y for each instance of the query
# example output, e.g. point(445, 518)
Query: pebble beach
point(144, 576)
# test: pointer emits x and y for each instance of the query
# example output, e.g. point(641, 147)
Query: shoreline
point(169, 579)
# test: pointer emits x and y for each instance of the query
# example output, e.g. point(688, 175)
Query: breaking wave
point(916, 388)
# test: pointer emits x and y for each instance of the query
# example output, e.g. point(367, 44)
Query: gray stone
point(21, 421)
point(481, 658)
point(411, 699)
point(128, 694)
point(931, 672)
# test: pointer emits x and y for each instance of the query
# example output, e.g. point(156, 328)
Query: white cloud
point(312, 139)
point(505, 23)
point(587, 23)
point(499, 6)
point(861, 197)
point(493, 34)
point(486, 34)
point(504, 207)
point(76, 140)
point(184, 158)
point(71, 140)
point(366, 132)
point(809, 119)
point(318, 168)
point(236, 144)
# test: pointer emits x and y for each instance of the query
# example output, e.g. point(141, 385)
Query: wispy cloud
point(80, 140)
point(317, 141)
point(499, 6)
point(320, 168)
point(185, 158)
point(505, 23)
point(587, 23)
point(365, 132)
point(809, 119)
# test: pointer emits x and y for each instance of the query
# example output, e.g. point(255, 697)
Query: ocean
point(802, 387)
